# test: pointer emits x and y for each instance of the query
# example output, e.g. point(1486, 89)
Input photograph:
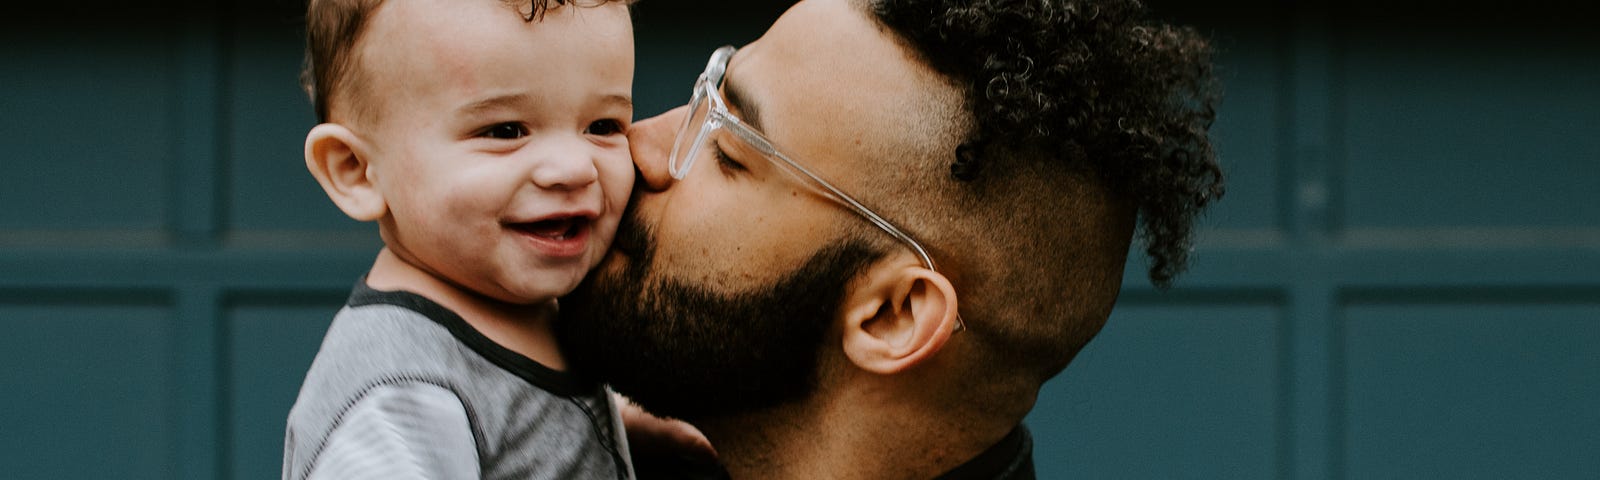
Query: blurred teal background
point(1403, 281)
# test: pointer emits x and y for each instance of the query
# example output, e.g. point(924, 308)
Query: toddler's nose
point(651, 140)
point(569, 166)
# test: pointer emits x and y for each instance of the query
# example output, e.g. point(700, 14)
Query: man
point(876, 231)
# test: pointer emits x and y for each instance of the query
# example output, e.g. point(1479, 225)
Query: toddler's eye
point(505, 131)
point(604, 128)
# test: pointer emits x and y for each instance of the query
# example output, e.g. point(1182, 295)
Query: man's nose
point(651, 140)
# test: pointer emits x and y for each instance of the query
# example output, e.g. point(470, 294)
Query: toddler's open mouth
point(557, 229)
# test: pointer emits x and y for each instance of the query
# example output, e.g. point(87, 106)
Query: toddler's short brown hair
point(333, 27)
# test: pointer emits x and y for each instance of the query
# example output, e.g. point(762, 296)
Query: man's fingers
point(649, 433)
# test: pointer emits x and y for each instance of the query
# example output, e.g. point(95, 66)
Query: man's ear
point(338, 158)
point(898, 317)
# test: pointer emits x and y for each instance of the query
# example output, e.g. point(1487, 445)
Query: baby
point(486, 139)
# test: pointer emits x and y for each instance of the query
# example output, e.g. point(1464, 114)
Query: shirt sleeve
point(405, 431)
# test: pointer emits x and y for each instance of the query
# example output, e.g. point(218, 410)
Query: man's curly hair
point(1091, 84)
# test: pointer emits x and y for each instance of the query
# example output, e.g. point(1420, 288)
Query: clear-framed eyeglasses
point(708, 115)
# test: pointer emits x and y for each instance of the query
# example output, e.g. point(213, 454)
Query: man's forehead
point(825, 45)
point(826, 77)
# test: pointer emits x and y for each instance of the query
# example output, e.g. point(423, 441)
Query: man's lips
point(634, 237)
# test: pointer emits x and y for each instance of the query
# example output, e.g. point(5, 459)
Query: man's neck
point(525, 329)
point(863, 437)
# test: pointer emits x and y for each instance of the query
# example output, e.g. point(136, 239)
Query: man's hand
point(652, 436)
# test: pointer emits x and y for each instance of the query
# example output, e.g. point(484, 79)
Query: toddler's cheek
point(617, 186)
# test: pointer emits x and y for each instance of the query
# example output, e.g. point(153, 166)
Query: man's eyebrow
point(739, 101)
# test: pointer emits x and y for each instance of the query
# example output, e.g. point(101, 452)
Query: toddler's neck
point(525, 329)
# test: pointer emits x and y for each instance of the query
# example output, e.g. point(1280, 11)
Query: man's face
point(722, 286)
point(497, 143)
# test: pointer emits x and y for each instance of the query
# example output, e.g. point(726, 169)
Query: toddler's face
point(499, 144)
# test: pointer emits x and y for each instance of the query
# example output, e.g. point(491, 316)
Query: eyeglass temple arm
point(767, 148)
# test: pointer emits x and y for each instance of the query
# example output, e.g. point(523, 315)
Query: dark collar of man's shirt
point(1010, 459)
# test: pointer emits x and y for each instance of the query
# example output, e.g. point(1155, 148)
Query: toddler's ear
point(337, 157)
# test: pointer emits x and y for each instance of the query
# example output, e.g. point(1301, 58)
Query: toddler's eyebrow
point(497, 101)
point(518, 99)
point(619, 100)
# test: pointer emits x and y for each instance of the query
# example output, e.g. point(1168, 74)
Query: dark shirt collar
point(1011, 459)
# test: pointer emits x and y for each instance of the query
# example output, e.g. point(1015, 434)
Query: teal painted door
point(1402, 281)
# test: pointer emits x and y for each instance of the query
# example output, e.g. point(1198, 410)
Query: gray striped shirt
point(404, 388)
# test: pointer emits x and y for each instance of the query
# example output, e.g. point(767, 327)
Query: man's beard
point(681, 350)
